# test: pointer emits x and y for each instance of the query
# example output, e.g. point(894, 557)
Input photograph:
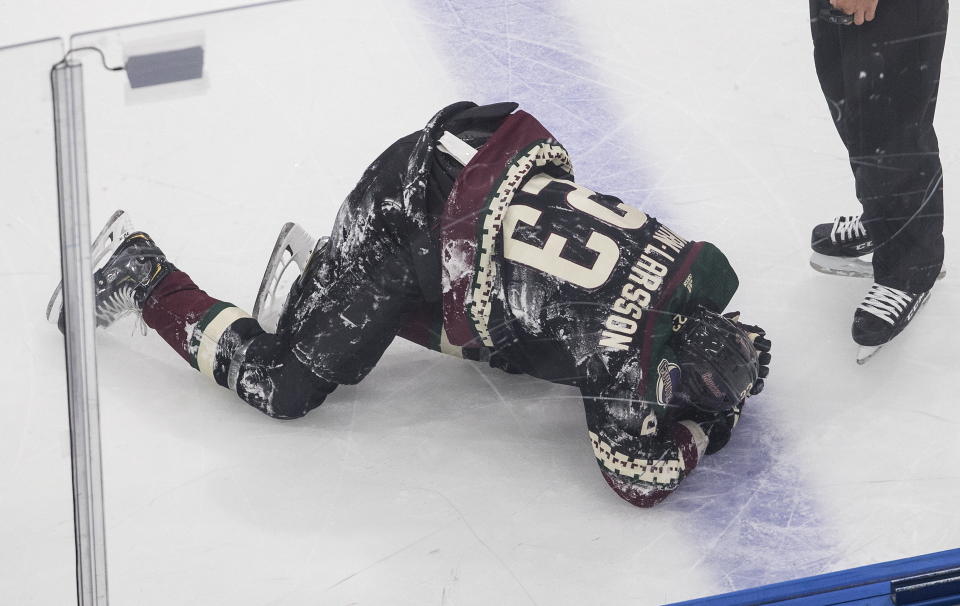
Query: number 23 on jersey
point(547, 258)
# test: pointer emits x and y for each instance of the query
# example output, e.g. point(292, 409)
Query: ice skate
point(843, 248)
point(127, 266)
point(839, 248)
point(117, 228)
point(290, 254)
point(882, 315)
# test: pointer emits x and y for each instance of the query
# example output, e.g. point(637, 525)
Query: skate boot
point(882, 315)
point(126, 279)
point(837, 246)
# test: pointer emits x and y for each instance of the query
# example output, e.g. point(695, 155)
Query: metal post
point(79, 307)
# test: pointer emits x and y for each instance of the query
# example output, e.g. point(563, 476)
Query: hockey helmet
point(718, 362)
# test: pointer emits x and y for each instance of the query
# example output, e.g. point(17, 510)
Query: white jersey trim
point(479, 305)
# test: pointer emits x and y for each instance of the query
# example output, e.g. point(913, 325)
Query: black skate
point(882, 315)
point(289, 258)
point(838, 246)
point(128, 268)
point(842, 248)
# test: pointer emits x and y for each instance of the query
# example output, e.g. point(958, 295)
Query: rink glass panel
point(36, 519)
point(439, 478)
point(294, 101)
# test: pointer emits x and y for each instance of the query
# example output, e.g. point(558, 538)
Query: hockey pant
point(353, 298)
point(340, 317)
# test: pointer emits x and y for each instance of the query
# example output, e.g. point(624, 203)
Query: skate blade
point(851, 267)
point(865, 353)
point(117, 228)
point(294, 246)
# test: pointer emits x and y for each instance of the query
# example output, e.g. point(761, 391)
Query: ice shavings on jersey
point(415, 183)
point(567, 326)
point(526, 305)
point(456, 262)
point(539, 155)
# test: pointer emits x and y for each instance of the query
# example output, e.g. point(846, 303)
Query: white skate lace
point(847, 228)
point(886, 303)
point(118, 305)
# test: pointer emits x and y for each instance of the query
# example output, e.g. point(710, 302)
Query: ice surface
point(434, 480)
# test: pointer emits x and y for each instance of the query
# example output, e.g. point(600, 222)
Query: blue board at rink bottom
point(928, 580)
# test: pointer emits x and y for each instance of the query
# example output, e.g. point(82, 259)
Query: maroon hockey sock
point(204, 331)
point(174, 309)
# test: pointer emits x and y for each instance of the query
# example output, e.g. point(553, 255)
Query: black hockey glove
point(760, 342)
point(717, 425)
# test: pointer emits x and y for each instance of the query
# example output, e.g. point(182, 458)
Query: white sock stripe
point(699, 437)
point(447, 347)
point(210, 337)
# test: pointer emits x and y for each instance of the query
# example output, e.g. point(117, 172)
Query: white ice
point(438, 481)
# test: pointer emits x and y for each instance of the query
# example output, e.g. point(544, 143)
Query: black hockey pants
point(881, 80)
point(356, 295)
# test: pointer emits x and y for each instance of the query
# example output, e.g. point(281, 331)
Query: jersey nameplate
point(646, 277)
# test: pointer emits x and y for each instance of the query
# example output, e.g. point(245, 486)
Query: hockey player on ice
point(470, 237)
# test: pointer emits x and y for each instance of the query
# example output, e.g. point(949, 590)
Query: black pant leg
point(355, 299)
point(826, 57)
point(349, 304)
point(275, 382)
point(355, 294)
point(883, 103)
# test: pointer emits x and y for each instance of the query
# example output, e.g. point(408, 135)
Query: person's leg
point(355, 292)
point(891, 71)
point(347, 307)
point(209, 334)
point(354, 295)
point(826, 57)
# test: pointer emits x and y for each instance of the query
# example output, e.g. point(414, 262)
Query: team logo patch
point(668, 375)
